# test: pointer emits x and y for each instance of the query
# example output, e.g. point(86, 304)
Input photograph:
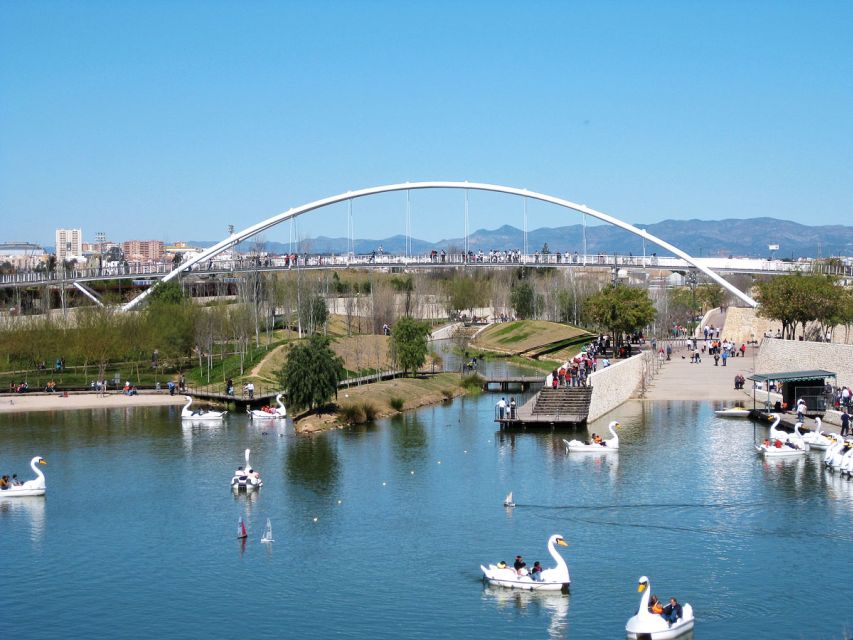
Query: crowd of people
point(576, 371)
point(719, 350)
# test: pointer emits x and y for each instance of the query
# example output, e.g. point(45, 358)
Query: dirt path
point(256, 370)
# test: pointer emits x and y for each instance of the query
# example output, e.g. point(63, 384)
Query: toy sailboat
point(267, 537)
point(241, 528)
point(508, 500)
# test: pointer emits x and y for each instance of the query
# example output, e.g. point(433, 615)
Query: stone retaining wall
point(743, 324)
point(618, 382)
point(776, 356)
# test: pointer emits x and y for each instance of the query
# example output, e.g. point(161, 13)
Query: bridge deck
point(151, 272)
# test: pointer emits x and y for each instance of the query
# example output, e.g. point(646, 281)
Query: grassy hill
point(530, 338)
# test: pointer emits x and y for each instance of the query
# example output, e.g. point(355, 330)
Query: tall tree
point(409, 344)
point(620, 310)
point(798, 299)
point(311, 373)
point(523, 300)
point(466, 293)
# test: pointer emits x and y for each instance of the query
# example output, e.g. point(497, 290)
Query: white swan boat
point(245, 478)
point(817, 439)
point(652, 626)
point(269, 413)
point(200, 415)
point(554, 579)
point(605, 446)
point(780, 444)
point(833, 455)
point(733, 412)
point(34, 487)
point(843, 459)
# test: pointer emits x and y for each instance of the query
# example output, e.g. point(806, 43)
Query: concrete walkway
point(679, 379)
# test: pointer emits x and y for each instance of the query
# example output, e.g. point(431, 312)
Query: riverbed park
point(595, 382)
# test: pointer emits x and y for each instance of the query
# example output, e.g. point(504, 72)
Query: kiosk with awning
point(810, 385)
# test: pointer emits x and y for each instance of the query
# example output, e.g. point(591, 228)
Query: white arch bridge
point(263, 225)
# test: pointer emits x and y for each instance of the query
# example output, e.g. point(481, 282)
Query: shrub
point(472, 383)
point(447, 393)
point(351, 414)
point(396, 403)
point(369, 410)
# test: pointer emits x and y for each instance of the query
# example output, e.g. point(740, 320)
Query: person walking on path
point(845, 424)
point(725, 356)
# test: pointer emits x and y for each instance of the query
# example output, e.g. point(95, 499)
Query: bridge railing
point(139, 270)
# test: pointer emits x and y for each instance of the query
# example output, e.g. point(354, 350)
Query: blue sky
point(174, 119)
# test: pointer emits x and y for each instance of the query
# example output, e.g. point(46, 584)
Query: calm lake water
point(379, 531)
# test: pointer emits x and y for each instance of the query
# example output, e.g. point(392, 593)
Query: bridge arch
point(263, 225)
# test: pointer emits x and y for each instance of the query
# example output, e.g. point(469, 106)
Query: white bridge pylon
point(255, 229)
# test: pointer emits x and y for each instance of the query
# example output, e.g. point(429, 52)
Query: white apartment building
point(69, 244)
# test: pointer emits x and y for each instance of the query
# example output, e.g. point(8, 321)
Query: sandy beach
point(23, 402)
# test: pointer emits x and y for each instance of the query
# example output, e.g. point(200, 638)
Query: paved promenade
point(679, 379)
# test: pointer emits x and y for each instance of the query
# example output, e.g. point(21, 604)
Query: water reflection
point(536, 603)
point(313, 463)
point(249, 498)
point(409, 438)
point(194, 430)
point(26, 509)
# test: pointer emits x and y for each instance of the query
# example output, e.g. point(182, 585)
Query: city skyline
point(174, 121)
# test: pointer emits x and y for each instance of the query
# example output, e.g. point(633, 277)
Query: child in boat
point(520, 566)
point(536, 572)
point(655, 605)
point(596, 439)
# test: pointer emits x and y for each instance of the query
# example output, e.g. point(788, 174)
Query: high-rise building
point(143, 250)
point(69, 244)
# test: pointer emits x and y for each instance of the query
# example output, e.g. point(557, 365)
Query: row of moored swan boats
point(278, 412)
point(780, 444)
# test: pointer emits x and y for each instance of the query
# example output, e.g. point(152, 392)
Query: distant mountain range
point(697, 237)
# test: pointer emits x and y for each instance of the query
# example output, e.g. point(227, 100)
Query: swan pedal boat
point(733, 412)
point(30, 487)
point(553, 579)
point(646, 625)
point(605, 446)
point(277, 413)
point(200, 416)
point(242, 481)
point(839, 457)
point(768, 448)
point(817, 439)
